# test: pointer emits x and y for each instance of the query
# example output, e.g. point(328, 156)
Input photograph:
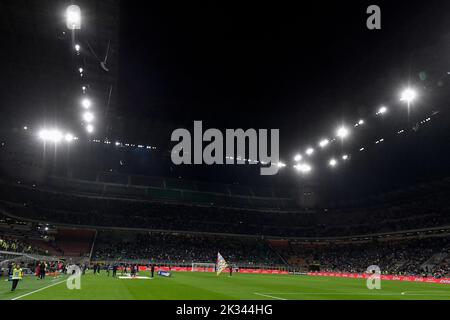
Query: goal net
point(10, 258)
point(203, 267)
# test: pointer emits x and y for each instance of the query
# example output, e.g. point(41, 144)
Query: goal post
point(203, 267)
point(7, 258)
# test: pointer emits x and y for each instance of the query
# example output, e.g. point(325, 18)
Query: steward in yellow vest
point(17, 275)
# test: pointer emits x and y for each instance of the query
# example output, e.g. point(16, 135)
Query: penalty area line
point(43, 288)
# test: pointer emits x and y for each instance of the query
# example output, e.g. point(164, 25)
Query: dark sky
point(269, 65)
point(303, 68)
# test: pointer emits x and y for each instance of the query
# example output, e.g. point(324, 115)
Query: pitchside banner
point(189, 269)
point(383, 277)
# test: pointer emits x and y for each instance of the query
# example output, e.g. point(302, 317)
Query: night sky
point(270, 65)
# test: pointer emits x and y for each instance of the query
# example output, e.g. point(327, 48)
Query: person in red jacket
point(38, 270)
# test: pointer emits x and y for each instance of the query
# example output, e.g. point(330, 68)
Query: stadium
point(93, 205)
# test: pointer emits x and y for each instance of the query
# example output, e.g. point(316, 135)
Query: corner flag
point(221, 263)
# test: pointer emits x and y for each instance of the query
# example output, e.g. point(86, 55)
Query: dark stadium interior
point(116, 197)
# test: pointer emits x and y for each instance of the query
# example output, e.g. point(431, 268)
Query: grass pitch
point(208, 286)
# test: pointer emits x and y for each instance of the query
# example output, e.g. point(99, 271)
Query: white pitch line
point(425, 293)
point(340, 293)
point(356, 293)
point(29, 293)
point(268, 296)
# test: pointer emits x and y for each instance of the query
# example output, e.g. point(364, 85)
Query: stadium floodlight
point(77, 48)
point(73, 17)
point(360, 123)
point(324, 143)
point(298, 157)
point(53, 135)
point(382, 110)
point(88, 116)
point(281, 165)
point(69, 137)
point(43, 134)
point(84, 89)
point(90, 128)
point(309, 151)
point(80, 70)
point(345, 157)
point(408, 95)
point(333, 162)
point(303, 168)
point(86, 103)
point(342, 132)
point(25, 128)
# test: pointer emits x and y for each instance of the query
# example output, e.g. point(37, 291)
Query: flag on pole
point(221, 263)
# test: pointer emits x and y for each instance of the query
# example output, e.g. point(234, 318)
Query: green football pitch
point(208, 286)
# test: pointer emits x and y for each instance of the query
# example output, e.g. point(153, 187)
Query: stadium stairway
point(434, 261)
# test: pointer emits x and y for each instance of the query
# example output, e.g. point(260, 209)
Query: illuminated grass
point(207, 286)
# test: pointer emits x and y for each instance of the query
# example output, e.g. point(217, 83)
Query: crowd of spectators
point(164, 248)
point(400, 257)
point(15, 236)
point(14, 245)
point(430, 211)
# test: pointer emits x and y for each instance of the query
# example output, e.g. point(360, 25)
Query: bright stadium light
point(43, 134)
point(382, 110)
point(345, 157)
point(86, 103)
point(303, 168)
point(324, 143)
point(73, 17)
point(309, 151)
point(69, 137)
point(333, 162)
point(88, 117)
point(77, 48)
point(360, 123)
point(52, 135)
point(298, 158)
point(408, 95)
point(90, 128)
point(342, 132)
point(80, 70)
point(281, 165)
